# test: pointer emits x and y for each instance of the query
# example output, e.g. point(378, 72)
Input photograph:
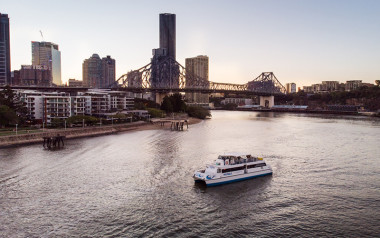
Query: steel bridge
point(167, 75)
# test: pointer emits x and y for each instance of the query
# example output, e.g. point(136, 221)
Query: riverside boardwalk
point(69, 133)
point(89, 131)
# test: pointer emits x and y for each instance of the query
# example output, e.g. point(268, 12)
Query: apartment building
point(80, 105)
point(353, 84)
point(45, 106)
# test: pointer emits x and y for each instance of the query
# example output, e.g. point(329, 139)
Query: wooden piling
point(53, 142)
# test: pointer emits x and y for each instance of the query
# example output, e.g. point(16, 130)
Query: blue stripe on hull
point(236, 180)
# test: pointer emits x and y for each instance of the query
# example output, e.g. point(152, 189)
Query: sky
point(301, 41)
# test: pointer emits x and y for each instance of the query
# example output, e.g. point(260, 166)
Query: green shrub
point(198, 112)
point(155, 113)
point(230, 106)
point(79, 119)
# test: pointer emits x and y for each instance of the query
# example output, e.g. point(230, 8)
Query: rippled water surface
point(325, 182)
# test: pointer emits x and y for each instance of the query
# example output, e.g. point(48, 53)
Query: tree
point(79, 119)
point(178, 103)
point(57, 122)
point(155, 112)
point(139, 106)
point(217, 101)
point(198, 112)
point(142, 104)
point(230, 106)
point(13, 102)
point(173, 103)
point(167, 105)
point(7, 116)
point(377, 82)
point(120, 116)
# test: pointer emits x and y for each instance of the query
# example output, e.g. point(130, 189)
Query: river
point(325, 182)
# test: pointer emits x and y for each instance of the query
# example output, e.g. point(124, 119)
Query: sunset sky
point(301, 41)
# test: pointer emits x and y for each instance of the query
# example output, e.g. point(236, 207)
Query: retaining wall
point(70, 133)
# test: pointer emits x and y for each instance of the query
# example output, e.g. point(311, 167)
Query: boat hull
point(236, 178)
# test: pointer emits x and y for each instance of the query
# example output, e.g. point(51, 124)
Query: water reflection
point(325, 177)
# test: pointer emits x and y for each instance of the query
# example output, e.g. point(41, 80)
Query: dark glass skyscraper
point(165, 71)
point(167, 33)
point(5, 52)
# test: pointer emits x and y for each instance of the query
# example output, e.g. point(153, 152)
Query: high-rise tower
point(109, 71)
point(92, 71)
point(5, 53)
point(167, 33)
point(98, 73)
point(197, 67)
point(48, 54)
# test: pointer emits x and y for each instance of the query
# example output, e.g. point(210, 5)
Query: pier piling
point(53, 142)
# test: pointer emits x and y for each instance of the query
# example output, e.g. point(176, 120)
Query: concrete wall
point(267, 101)
point(69, 133)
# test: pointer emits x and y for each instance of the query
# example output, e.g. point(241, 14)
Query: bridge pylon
point(267, 101)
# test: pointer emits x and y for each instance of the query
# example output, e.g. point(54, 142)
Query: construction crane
point(42, 36)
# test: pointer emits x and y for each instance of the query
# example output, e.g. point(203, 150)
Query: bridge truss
point(167, 75)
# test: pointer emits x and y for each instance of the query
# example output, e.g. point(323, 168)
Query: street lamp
point(65, 124)
point(83, 123)
point(16, 129)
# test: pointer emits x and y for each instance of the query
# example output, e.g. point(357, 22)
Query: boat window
point(219, 170)
point(233, 169)
point(255, 165)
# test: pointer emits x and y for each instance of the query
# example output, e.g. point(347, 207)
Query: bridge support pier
point(267, 101)
point(160, 97)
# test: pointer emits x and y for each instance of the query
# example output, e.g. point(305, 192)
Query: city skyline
point(300, 42)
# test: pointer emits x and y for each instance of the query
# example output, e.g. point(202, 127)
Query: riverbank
point(73, 133)
point(351, 113)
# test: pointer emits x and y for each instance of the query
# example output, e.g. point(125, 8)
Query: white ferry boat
point(232, 167)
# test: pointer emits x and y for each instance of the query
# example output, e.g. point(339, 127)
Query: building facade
point(197, 67)
point(15, 77)
point(238, 101)
point(80, 105)
point(291, 88)
point(330, 86)
point(39, 75)
point(75, 83)
point(353, 84)
point(168, 33)
point(48, 54)
point(5, 52)
point(325, 86)
point(45, 106)
point(109, 72)
point(99, 73)
point(164, 74)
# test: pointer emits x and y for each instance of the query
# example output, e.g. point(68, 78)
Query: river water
point(325, 182)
